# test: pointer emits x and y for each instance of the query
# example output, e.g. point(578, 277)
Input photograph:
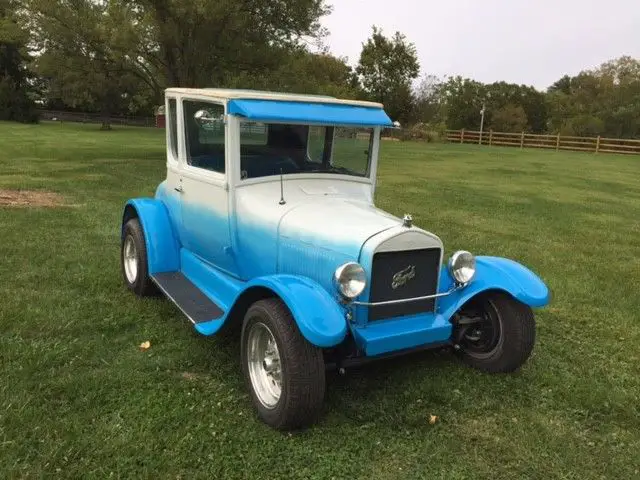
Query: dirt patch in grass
point(30, 198)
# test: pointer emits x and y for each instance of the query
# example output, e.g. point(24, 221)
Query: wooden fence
point(553, 142)
point(81, 117)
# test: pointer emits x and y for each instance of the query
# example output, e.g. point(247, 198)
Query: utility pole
point(481, 123)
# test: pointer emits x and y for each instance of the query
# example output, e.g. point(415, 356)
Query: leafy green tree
point(386, 70)
point(605, 100)
point(302, 72)
point(427, 100)
point(15, 101)
point(208, 42)
point(119, 55)
point(510, 118)
point(78, 59)
point(462, 100)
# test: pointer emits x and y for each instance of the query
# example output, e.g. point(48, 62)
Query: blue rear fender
point(319, 316)
point(494, 273)
point(163, 252)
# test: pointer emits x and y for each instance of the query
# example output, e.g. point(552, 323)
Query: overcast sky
point(533, 42)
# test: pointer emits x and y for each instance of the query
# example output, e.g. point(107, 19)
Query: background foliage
point(117, 56)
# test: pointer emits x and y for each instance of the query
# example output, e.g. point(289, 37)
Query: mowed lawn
point(79, 399)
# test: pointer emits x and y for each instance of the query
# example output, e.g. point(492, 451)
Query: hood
point(337, 224)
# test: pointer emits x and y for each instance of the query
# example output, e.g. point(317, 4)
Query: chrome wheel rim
point(265, 369)
point(130, 259)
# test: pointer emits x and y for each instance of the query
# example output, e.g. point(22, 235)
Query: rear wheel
point(495, 333)
point(283, 371)
point(133, 259)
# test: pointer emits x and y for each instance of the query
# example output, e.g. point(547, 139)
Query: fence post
point(558, 142)
point(522, 140)
point(598, 144)
point(462, 136)
point(490, 137)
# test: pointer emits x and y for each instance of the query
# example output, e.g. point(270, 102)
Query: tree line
point(117, 56)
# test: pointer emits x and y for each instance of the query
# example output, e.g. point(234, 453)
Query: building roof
point(229, 94)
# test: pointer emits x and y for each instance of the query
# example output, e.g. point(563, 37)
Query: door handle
point(178, 189)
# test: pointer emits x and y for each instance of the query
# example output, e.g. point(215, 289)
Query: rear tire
point(133, 260)
point(285, 374)
point(502, 339)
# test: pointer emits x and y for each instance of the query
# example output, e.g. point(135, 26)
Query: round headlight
point(350, 279)
point(462, 266)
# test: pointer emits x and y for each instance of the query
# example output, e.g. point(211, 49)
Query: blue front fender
point(494, 273)
point(317, 314)
point(163, 253)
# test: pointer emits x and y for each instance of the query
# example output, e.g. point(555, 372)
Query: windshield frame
point(235, 122)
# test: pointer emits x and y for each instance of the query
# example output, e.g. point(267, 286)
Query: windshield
point(268, 149)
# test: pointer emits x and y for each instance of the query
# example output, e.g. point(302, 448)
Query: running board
point(188, 298)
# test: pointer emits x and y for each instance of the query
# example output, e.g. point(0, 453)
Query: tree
point(15, 101)
point(79, 56)
point(427, 100)
point(601, 101)
point(501, 95)
point(209, 42)
point(303, 72)
point(510, 118)
point(386, 69)
point(583, 126)
point(462, 100)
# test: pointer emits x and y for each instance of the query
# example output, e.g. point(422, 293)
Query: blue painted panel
point(494, 273)
point(301, 112)
point(319, 316)
point(307, 260)
point(172, 200)
point(160, 238)
point(413, 331)
point(221, 288)
point(257, 246)
point(205, 223)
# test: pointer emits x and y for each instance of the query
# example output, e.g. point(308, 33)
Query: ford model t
point(266, 223)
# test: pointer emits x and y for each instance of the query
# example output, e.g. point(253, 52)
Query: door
point(205, 196)
point(171, 194)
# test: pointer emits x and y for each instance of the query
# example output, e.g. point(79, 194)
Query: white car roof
point(231, 94)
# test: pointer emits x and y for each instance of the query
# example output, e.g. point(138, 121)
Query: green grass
point(78, 399)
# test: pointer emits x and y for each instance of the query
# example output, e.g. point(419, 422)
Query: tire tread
point(519, 331)
point(304, 386)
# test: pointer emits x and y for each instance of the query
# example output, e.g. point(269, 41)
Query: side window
point(204, 134)
point(172, 125)
point(316, 144)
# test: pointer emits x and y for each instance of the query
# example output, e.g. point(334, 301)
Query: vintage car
point(266, 223)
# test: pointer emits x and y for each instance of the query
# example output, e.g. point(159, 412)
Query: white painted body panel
point(239, 225)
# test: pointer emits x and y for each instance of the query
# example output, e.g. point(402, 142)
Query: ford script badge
point(401, 278)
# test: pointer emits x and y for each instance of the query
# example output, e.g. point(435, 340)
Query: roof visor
point(302, 112)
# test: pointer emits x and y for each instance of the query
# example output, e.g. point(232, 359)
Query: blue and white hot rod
point(266, 223)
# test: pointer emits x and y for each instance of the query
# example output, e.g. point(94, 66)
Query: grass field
point(79, 399)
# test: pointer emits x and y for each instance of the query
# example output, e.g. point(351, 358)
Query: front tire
point(133, 259)
point(284, 373)
point(495, 333)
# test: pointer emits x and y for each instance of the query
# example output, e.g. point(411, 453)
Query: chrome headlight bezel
point(462, 267)
point(350, 280)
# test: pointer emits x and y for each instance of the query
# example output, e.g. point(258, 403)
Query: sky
point(532, 42)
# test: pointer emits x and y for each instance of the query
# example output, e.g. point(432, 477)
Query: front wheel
point(495, 333)
point(283, 371)
point(133, 259)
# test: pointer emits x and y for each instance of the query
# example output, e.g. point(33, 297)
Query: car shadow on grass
point(403, 392)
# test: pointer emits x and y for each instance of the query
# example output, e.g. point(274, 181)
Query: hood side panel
point(319, 264)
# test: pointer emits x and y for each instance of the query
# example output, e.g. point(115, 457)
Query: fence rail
point(81, 117)
point(555, 142)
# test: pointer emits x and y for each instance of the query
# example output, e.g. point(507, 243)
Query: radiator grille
point(400, 275)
